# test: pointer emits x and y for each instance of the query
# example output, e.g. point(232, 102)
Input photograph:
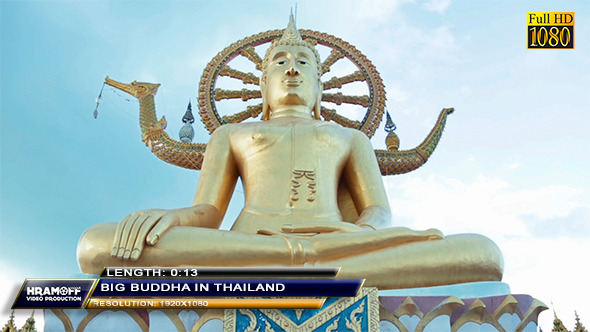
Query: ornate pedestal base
point(504, 313)
point(457, 308)
point(360, 313)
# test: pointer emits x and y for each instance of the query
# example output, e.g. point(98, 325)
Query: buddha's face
point(291, 78)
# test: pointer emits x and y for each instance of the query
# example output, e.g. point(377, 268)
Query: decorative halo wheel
point(348, 115)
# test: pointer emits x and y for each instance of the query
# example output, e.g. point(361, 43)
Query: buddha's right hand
point(139, 228)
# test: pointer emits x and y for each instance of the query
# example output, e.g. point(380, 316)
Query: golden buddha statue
point(294, 169)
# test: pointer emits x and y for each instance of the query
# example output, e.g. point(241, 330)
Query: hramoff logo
point(54, 293)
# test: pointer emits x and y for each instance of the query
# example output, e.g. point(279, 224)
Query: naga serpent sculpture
point(190, 155)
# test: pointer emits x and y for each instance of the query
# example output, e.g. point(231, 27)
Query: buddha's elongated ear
point(265, 109)
point(317, 109)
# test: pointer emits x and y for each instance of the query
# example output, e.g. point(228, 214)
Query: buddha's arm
point(216, 185)
point(366, 186)
point(219, 174)
point(217, 181)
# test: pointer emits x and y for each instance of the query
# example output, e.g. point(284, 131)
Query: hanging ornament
point(98, 100)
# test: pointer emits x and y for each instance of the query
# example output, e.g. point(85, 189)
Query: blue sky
point(512, 163)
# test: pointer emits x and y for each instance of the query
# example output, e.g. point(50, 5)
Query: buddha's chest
point(300, 145)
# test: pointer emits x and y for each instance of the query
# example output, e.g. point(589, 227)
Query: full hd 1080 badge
point(550, 30)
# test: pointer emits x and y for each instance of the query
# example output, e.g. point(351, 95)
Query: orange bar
point(199, 303)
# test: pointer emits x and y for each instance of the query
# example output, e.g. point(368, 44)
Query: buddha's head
point(291, 75)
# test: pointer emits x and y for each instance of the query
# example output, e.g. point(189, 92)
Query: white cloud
point(439, 6)
point(380, 10)
point(466, 90)
point(574, 224)
point(451, 205)
point(397, 93)
point(437, 44)
point(422, 52)
point(543, 232)
point(514, 165)
point(552, 271)
point(487, 205)
point(148, 75)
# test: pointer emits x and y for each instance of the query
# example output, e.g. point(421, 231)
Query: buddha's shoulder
point(244, 128)
point(351, 133)
point(233, 128)
point(237, 132)
point(334, 129)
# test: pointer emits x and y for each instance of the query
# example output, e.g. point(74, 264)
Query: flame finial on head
point(292, 37)
point(291, 34)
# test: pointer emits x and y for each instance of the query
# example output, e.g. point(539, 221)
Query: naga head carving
point(136, 89)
